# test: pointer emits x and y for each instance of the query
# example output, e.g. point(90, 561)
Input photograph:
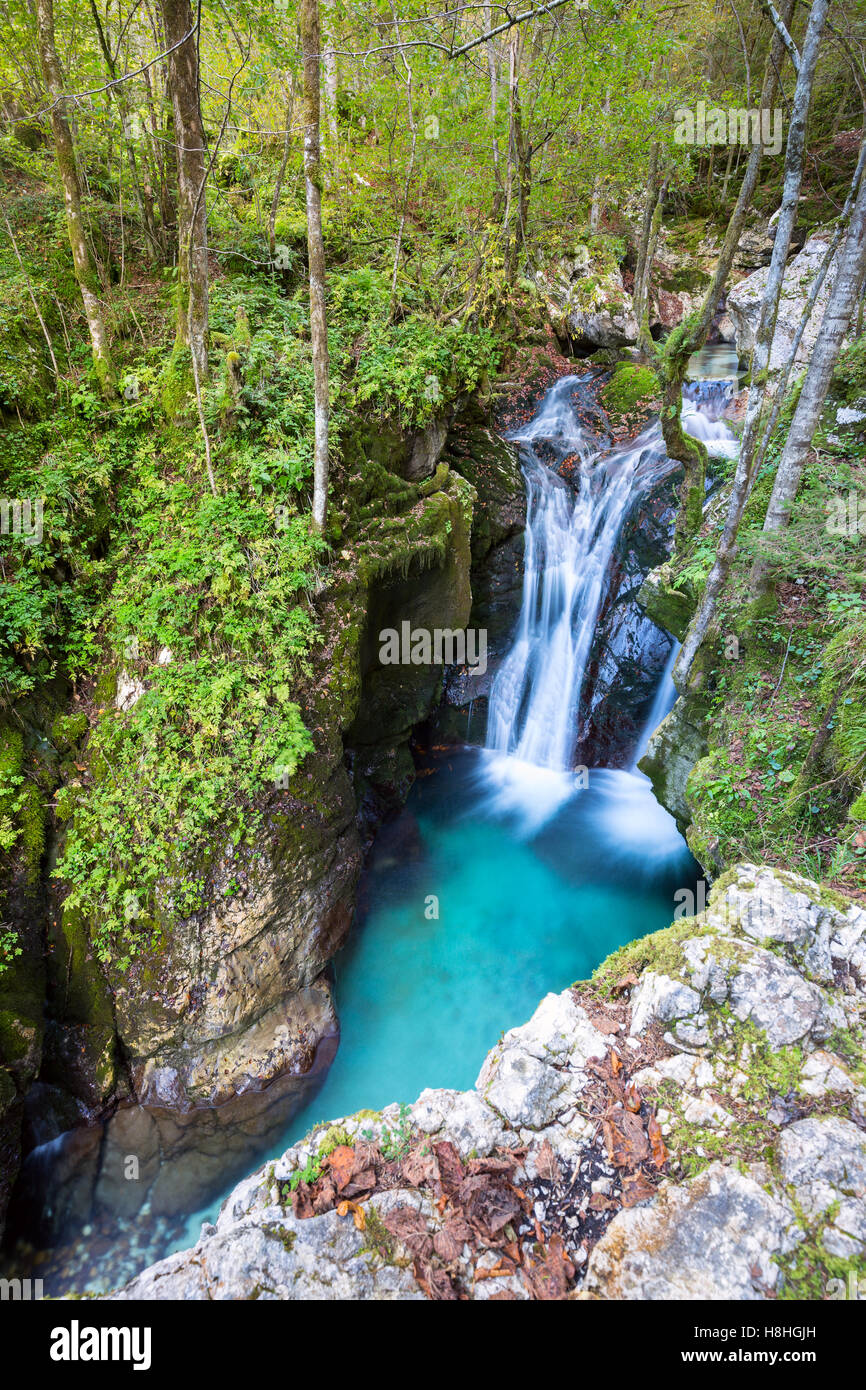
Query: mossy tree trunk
point(85, 271)
point(190, 143)
point(825, 354)
point(517, 187)
point(308, 19)
point(690, 336)
point(750, 454)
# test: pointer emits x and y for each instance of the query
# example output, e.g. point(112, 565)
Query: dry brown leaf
point(625, 1138)
point(548, 1279)
point(635, 1188)
point(659, 1148)
point(547, 1164)
point(450, 1166)
point(341, 1164)
point(632, 1098)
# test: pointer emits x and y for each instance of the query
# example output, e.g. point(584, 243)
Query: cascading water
point(569, 543)
point(571, 535)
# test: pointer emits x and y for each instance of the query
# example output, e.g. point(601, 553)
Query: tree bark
point(85, 272)
point(834, 326)
point(183, 78)
point(691, 334)
point(749, 455)
point(646, 252)
point(517, 181)
point(308, 18)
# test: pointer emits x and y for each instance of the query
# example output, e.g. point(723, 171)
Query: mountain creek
point(529, 849)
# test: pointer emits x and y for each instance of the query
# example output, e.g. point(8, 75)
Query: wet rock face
point(492, 466)
point(603, 1113)
point(673, 750)
point(629, 650)
point(228, 1024)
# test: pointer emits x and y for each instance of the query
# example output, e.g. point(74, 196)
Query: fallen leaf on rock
point(360, 1220)
point(498, 1271)
point(418, 1167)
point(450, 1166)
point(449, 1242)
point(632, 1098)
point(324, 1198)
point(548, 1279)
point(627, 982)
point(547, 1164)
point(488, 1202)
point(599, 1202)
point(625, 1138)
point(435, 1283)
point(302, 1202)
point(342, 1165)
point(635, 1188)
point(361, 1183)
point(659, 1149)
point(409, 1226)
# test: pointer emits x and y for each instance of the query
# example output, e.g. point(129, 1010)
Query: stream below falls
point(511, 872)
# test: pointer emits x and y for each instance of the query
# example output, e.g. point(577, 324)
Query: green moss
point(659, 951)
point(630, 387)
point(275, 1231)
point(68, 730)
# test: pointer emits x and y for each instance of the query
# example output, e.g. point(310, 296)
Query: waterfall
point(663, 703)
point(571, 534)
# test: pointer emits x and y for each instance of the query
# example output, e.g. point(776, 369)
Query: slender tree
point(308, 18)
point(749, 455)
point(672, 361)
point(181, 37)
point(834, 325)
point(85, 272)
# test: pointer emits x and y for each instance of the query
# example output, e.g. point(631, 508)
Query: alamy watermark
point(846, 516)
point(20, 1290)
point(441, 646)
point(738, 125)
point(21, 517)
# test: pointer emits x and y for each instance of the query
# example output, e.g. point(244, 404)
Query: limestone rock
point(711, 1238)
point(744, 305)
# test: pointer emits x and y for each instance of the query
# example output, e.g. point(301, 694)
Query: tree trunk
point(749, 455)
point(803, 782)
point(183, 78)
point(646, 252)
point(308, 18)
point(516, 191)
point(834, 326)
point(281, 172)
point(85, 272)
point(329, 66)
point(691, 335)
point(596, 208)
point(494, 87)
point(143, 194)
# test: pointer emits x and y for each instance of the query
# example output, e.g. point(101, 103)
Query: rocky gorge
point(689, 1124)
point(612, 1132)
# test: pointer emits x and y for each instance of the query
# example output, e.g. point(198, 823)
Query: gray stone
point(711, 1238)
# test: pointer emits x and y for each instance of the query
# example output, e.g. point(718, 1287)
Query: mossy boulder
point(630, 389)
